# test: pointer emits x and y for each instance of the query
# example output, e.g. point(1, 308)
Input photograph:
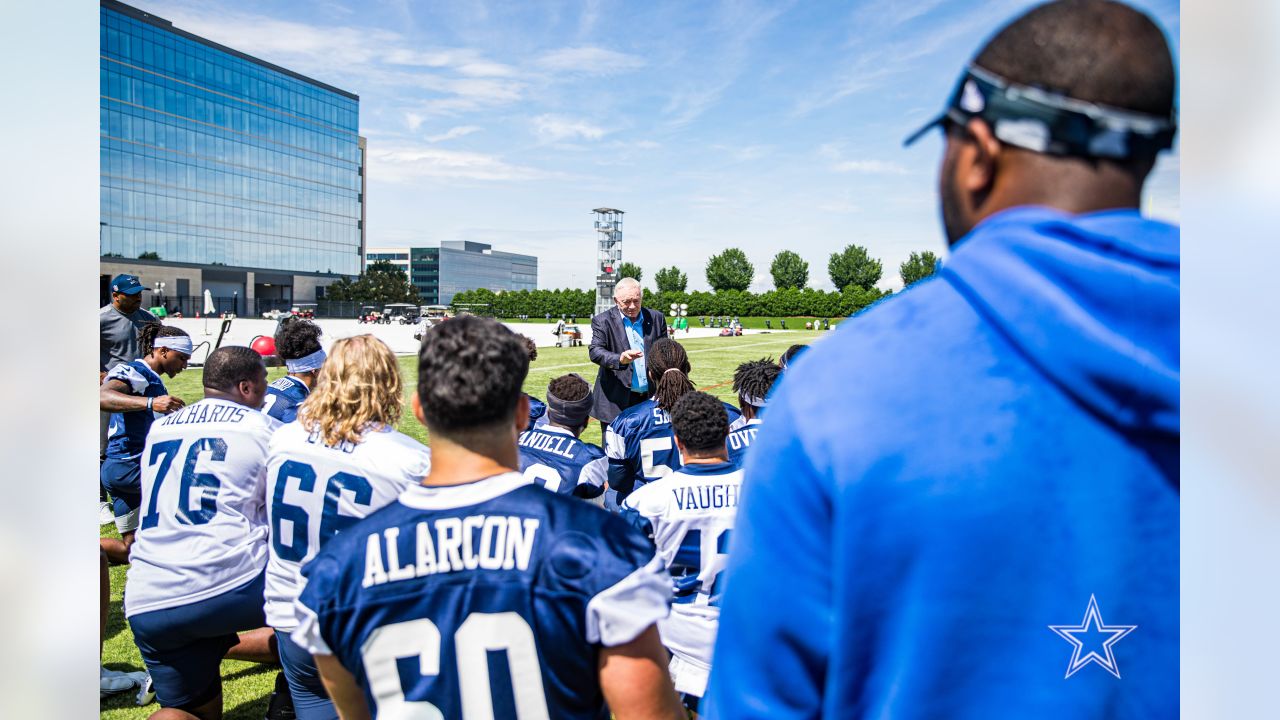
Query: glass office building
point(222, 170)
point(455, 266)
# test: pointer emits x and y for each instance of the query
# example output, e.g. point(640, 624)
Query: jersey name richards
point(739, 441)
point(641, 446)
point(127, 431)
point(284, 395)
point(489, 599)
point(204, 523)
point(689, 515)
point(553, 458)
point(315, 490)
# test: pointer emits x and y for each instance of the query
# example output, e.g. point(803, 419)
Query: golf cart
point(404, 313)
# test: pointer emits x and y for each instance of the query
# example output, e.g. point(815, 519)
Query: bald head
point(1095, 51)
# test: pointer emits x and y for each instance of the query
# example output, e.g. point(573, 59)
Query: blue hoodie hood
point(1091, 300)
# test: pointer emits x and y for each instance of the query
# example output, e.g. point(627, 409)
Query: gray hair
point(625, 284)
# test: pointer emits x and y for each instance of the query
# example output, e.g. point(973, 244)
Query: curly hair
point(668, 369)
point(570, 388)
point(700, 422)
point(754, 378)
point(297, 338)
point(470, 371)
point(358, 389)
point(530, 347)
point(148, 333)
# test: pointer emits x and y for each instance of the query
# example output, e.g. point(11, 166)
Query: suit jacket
point(612, 392)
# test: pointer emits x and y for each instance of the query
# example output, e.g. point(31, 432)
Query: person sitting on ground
point(342, 460)
point(298, 343)
point(135, 395)
point(197, 573)
point(639, 442)
point(689, 516)
point(552, 454)
point(537, 408)
point(752, 382)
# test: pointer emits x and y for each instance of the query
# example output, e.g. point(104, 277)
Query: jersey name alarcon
point(315, 490)
point(641, 445)
point(204, 522)
point(689, 515)
point(553, 458)
point(284, 395)
point(740, 440)
point(127, 432)
point(489, 599)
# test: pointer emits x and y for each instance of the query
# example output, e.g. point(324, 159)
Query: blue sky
point(760, 125)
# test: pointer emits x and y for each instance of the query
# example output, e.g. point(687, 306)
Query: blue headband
point(306, 363)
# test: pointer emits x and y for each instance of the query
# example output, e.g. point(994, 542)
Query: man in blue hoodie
point(965, 502)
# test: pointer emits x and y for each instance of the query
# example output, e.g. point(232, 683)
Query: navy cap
point(127, 284)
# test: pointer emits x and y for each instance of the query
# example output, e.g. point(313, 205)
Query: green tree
point(671, 280)
point(381, 282)
point(918, 267)
point(854, 266)
point(730, 270)
point(630, 270)
point(789, 271)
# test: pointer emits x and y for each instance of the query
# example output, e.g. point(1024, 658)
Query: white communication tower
point(608, 255)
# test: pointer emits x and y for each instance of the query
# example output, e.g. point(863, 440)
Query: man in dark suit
point(620, 340)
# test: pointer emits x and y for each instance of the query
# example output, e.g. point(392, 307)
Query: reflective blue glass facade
point(211, 157)
point(440, 273)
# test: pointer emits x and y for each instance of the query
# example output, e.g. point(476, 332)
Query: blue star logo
point(1098, 636)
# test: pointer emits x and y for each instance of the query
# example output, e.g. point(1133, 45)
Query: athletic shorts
point(183, 646)
point(122, 477)
point(310, 701)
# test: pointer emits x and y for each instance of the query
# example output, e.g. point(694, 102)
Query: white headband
point(306, 363)
point(177, 343)
point(753, 401)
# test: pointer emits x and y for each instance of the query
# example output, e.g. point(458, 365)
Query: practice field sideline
point(246, 686)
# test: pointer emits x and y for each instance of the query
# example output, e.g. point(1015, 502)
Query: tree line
point(852, 270)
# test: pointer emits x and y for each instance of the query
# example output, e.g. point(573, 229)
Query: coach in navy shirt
point(620, 340)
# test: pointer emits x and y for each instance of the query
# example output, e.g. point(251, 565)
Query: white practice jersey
point(689, 514)
point(314, 491)
point(203, 529)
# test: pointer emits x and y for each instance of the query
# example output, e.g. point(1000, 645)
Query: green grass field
point(246, 686)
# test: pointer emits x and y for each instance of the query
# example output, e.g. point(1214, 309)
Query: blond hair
point(358, 389)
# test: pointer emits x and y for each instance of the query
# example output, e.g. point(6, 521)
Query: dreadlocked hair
point(754, 378)
point(148, 333)
point(358, 389)
point(668, 366)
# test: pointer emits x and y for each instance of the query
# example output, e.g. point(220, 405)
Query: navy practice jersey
point(641, 445)
point(490, 599)
point(553, 458)
point(537, 412)
point(283, 398)
point(740, 440)
point(127, 433)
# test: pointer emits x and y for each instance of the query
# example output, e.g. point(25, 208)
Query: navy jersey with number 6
point(553, 458)
point(490, 599)
point(284, 395)
point(641, 445)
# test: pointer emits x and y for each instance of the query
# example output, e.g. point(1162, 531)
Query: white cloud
point(589, 61)
point(408, 162)
point(554, 128)
point(451, 133)
point(413, 120)
point(869, 167)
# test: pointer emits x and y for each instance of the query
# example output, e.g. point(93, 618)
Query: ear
point(980, 158)
point(416, 402)
point(679, 447)
point(522, 413)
